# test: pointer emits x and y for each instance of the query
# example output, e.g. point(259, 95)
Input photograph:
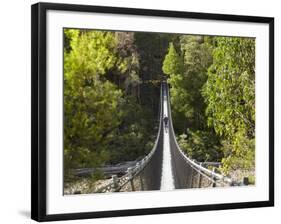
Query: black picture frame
point(39, 122)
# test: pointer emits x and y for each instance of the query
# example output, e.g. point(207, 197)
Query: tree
point(104, 120)
point(151, 49)
point(212, 83)
point(90, 101)
point(230, 97)
point(172, 64)
point(187, 72)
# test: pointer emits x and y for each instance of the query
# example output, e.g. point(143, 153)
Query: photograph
point(146, 111)
point(141, 111)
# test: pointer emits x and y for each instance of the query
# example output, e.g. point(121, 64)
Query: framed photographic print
point(139, 111)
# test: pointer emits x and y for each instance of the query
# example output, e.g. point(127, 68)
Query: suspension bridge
point(166, 167)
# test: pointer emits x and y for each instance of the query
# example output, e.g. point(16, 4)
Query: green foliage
point(252, 179)
point(187, 72)
point(111, 96)
point(172, 64)
point(104, 121)
point(151, 48)
point(90, 102)
point(202, 145)
point(230, 96)
point(133, 137)
point(188, 79)
point(212, 88)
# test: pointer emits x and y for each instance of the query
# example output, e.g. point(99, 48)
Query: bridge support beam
point(214, 178)
point(199, 178)
point(141, 183)
point(191, 178)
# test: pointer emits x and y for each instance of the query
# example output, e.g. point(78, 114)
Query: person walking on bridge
point(166, 119)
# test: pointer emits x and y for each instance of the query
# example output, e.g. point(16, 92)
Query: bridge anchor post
point(245, 181)
point(115, 182)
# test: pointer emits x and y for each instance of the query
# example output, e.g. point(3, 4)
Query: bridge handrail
point(117, 183)
point(197, 166)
